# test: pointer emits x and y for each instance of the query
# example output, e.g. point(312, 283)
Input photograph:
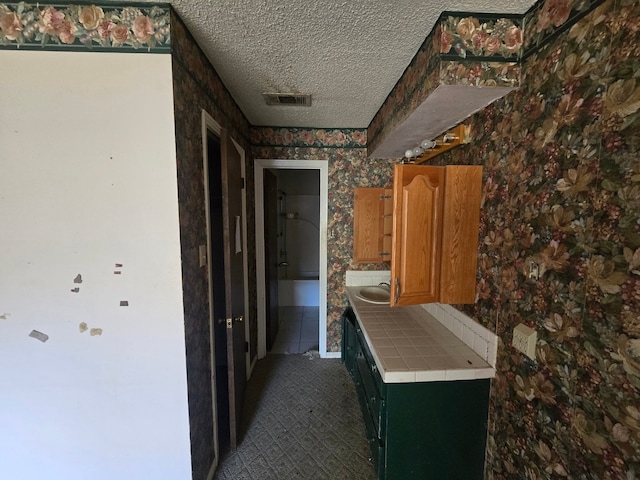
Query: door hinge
point(244, 183)
point(246, 346)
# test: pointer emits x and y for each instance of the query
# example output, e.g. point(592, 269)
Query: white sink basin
point(375, 294)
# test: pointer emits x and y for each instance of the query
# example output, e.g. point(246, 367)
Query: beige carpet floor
point(301, 420)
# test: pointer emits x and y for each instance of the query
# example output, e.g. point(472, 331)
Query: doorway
point(224, 257)
point(321, 167)
point(296, 258)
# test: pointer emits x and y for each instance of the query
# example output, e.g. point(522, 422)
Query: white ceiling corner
point(347, 54)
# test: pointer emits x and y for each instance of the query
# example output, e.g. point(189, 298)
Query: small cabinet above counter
point(427, 228)
point(372, 209)
point(436, 227)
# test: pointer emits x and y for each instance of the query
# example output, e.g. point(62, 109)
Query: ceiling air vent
point(292, 99)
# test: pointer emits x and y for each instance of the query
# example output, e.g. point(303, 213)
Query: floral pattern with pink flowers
point(309, 137)
point(30, 25)
point(480, 36)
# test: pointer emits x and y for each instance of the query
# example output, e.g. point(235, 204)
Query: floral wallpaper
point(348, 169)
point(308, 138)
point(52, 25)
point(562, 190)
point(549, 18)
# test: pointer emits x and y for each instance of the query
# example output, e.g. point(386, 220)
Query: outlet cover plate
point(525, 339)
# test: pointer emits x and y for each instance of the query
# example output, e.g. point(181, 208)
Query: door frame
point(259, 166)
point(208, 124)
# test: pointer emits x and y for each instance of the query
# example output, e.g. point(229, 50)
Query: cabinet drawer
point(377, 379)
point(349, 340)
point(376, 444)
point(373, 400)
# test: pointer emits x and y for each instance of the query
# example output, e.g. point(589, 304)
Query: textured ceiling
point(348, 54)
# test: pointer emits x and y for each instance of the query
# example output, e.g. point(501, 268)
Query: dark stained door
point(271, 254)
point(232, 185)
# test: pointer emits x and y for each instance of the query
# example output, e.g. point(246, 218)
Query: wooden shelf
point(459, 135)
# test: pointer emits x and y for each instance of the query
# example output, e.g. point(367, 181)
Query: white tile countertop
point(410, 345)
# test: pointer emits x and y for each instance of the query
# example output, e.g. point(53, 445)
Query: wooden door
point(416, 243)
point(368, 225)
point(271, 255)
point(232, 185)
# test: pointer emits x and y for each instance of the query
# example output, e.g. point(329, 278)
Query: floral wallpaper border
point(475, 36)
point(129, 27)
point(308, 137)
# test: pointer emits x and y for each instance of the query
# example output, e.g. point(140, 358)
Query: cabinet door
point(460, 234)
point(417, 219)
point(368, 224)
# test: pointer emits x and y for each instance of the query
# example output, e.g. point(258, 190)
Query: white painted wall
point(299, 293)
point(88, 180)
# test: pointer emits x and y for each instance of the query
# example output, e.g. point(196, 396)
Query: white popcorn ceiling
point(348, 54)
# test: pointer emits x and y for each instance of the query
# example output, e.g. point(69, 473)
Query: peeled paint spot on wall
point(43, 337)
point(124, 303)
point(75, 290)
point(4, 316)
point(78, 279)
point(83, 327)
point(95, 331)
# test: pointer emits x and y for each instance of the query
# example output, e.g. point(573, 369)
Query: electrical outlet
point(525, 339)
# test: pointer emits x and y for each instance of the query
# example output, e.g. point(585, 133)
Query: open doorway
point(292, 209)
point(318, 170)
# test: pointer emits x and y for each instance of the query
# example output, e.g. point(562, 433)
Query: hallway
point(301, 420)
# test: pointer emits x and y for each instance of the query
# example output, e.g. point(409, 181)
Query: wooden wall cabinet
point(436, 221)
point(372, 225)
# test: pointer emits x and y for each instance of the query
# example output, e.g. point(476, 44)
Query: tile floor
point(298, 331)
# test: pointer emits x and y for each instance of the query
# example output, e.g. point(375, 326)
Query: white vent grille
point(291, 99)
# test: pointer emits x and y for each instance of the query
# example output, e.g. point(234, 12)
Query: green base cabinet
point(424, 430)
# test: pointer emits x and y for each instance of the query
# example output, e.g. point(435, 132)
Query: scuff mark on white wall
point(43, 337)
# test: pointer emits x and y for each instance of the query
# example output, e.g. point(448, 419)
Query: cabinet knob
point(374, 368)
